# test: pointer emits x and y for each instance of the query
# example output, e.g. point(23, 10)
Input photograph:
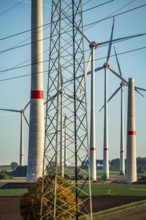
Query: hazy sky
point(14, 93)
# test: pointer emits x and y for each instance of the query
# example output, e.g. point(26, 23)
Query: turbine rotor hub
point(123, 84)
point(106, 65)
point(93, 45)
point(61, 92)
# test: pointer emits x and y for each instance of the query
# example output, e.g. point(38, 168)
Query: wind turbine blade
point(9, 110)
point(64, 121)
point(61, 78)
point(117, 90)
point(88, 73)
point(121, 39)
point(26, 105)
point(53, 97)
point(25, 119)
point(110, 42)
point(72, 97)
point(88, 65)
point(97, 69)
point(120, 77)
point(140, 88)
point(86, 70)
point(139, 92)
point(118, 62)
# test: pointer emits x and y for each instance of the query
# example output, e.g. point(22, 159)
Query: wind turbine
point(93, 45)
point(121, 87)
point(22, 115)
point(106, 142)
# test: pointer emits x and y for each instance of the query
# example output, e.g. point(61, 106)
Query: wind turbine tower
point(93, 46)
point(36, 132)
point(122, 159)
point(131, 166)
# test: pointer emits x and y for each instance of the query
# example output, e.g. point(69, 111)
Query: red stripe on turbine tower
point(37, 94)
point(131, 132)
point(106, 149)
point(92, 148)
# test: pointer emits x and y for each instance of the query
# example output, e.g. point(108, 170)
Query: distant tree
point(30, 202)
point(143, 178)
point(4, 175)
point(14, 165)
point(115, 164)
point(140, 170)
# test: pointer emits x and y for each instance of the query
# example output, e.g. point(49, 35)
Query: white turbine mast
point(36, 131)
point(22, 115)
point(121, 87)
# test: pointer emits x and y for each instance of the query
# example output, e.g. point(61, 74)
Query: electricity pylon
point(66, 95)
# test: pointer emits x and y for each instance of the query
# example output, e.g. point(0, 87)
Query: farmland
point(105, 195)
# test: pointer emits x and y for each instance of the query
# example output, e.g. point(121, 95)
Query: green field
point(97, 190)
point(12, 192)
point(119, 190)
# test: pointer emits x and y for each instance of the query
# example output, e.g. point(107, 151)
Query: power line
point(96, 6)
point(4, 12)
point(26, 75)
point(116, 11)
point(23, 32)
point(102, 45)
point(95, 22)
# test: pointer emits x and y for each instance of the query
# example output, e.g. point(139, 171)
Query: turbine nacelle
point(61, 92)
point(93, 45)
point(106, 65)
point(123, 84)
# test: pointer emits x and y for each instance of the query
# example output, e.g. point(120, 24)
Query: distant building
point(5, 168)
point(99, 164)
point(115, 164)
point(141, 163)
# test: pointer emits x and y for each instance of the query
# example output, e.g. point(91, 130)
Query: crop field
point(105, 195)
point(12, 192)
point(118, 190)
point(97, 190)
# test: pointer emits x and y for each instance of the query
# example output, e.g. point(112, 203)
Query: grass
point(117, 190)
point(97, 190)
point(12, 192)
point(101, 189)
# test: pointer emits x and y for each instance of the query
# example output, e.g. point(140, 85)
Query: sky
point(15, 93)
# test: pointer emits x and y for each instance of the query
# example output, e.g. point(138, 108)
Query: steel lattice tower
point(66, 136)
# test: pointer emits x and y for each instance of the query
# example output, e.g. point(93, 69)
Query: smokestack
point(36, 131)
point(131, 166)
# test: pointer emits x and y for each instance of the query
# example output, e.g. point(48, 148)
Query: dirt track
point(9, 207)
